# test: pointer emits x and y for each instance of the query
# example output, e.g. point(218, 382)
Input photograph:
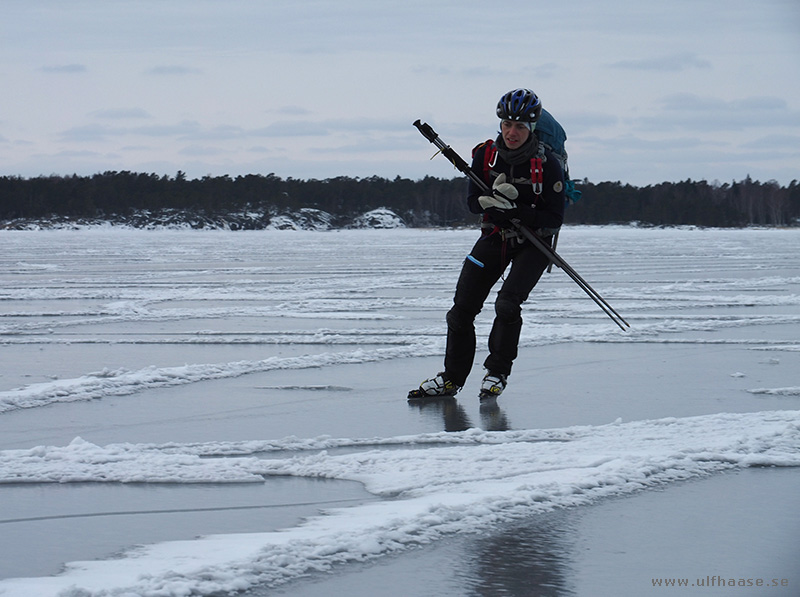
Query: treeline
point(699, 203)
point(426, 202)
point(429, 201)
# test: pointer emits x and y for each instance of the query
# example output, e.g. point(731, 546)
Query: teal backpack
point(552, 136)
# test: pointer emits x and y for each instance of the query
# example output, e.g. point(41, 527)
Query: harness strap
point(490, 159)
point(537, 175)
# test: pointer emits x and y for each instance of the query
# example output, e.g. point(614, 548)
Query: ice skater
point(527, 183)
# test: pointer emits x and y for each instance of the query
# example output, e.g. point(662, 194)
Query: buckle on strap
point(513, 235)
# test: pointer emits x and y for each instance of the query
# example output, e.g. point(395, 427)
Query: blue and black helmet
point(519, 104)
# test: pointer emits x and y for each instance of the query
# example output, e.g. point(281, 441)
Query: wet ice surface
point(614, 547)
point(159, 386)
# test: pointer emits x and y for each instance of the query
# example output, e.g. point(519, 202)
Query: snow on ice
point(62, 288)
point(511, 474)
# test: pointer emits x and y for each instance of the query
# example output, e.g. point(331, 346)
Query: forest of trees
point(426, 202)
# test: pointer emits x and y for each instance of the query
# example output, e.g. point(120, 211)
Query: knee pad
point(507, 309)
point(459, 319)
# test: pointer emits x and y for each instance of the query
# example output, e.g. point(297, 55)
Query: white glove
point(500, 187)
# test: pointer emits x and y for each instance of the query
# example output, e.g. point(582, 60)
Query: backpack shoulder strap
point(489, 156)
point(487, 143)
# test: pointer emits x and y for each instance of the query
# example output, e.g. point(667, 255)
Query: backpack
point(553, 136)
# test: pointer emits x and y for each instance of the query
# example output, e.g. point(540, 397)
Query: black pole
point(431, 135)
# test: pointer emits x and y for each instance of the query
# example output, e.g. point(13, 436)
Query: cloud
point(87, 133)
point(64, 68)
point(199, 151)
point(635, 145)
point(310, 128)
point(121, 113)
point(217, 133)
point(785, 143)
point(190, 130)
point(669, 63)
point(577, 123)
point(534, 72)
point(173, 70)
point(688, 101)
point(77, 153)
point(184, 129)
point(704, 114)
point(292, 110)
point(101, 132)
point(370, 147)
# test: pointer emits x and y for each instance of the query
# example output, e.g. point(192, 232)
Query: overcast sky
point(647, 90)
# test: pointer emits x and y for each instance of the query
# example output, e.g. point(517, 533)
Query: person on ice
point(527, 183)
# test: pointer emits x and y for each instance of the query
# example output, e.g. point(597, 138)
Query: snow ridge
point(426, 493)
point(122, 382)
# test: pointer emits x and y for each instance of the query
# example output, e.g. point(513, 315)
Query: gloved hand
point(500, 217)
point(502, 197)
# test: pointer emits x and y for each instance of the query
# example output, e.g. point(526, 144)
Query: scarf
point(521, 154)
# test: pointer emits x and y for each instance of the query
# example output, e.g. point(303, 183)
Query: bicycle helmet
point(519, 104)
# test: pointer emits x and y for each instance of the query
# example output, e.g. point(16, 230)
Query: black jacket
point(544, 211)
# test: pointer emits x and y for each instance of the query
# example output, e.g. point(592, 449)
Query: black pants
point(486, 263)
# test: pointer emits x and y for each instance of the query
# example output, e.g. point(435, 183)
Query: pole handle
point(426, 130)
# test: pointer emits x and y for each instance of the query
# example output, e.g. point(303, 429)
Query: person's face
point(514, 133)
